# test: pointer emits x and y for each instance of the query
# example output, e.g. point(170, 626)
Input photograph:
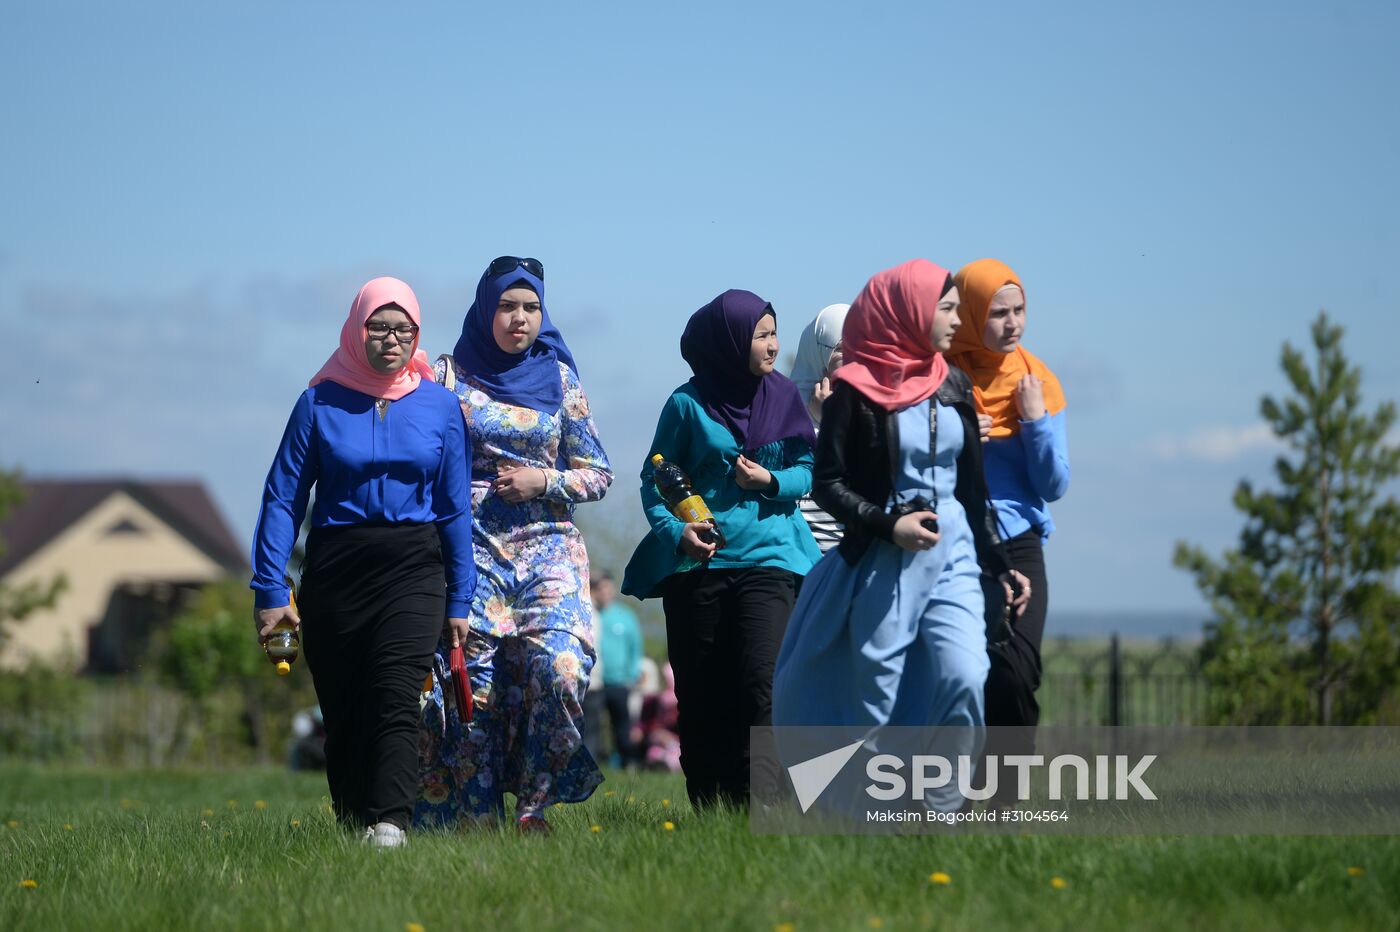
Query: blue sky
point(192, 196)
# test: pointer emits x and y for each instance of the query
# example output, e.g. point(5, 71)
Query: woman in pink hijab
point(889, 629)
point(389, 556)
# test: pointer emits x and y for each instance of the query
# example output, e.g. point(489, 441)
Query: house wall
point(95, 562)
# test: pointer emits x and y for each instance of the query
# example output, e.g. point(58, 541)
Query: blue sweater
point(760, 529)
point(1027, 471)
point(412, 467)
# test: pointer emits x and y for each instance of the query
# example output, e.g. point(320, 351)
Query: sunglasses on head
point(504, 264)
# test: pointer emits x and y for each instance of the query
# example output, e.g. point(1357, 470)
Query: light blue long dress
point(898, 639)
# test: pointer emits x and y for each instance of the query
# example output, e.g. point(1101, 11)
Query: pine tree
point(1308, 617)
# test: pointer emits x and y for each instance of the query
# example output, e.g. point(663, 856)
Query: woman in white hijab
point(819, 355)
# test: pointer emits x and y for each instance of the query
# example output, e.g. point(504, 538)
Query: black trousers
point(373, 602)
point(723, 631)
point(1011, 708)
point(620, 716)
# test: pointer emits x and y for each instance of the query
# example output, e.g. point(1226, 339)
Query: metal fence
point(1117, 683)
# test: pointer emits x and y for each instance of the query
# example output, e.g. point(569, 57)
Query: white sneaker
point(387, 835)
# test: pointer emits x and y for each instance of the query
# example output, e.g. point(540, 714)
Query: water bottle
point(283, 644)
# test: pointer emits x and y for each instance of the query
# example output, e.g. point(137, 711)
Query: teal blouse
point(761, 528)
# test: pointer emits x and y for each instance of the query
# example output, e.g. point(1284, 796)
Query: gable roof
point(51, 506)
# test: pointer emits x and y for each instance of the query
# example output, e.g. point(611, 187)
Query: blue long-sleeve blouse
point(409, 467)
point(1026, 472)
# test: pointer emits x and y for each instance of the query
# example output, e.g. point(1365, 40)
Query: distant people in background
point(660, 731)
point(529, 645)
point(1027, 465)
point(742, 433)
point(818, 356)
point(889, 629)
point(388, 556)
point(620, 652)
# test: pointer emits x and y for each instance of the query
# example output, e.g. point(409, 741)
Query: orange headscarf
point(994, 375)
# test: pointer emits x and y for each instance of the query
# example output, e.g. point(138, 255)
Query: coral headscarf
point(887, 338)
point(814, 347)
point(349, 364)
point(995, 375)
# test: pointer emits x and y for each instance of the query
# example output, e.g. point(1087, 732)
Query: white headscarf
point(814, 348)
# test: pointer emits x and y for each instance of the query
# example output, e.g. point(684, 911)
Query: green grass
point(158, 850)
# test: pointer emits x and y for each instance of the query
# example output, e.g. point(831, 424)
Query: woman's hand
point(266, 620)
point(820, 393)
point(984, 427)
point(457, 631)
point(1018, 591)
point(691, 544)
point(1030, 398)
point(520, 484)
point(910, 533)
point(750, 475)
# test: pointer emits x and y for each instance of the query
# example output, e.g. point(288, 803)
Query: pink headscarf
point(349, 364)
point(888, 345)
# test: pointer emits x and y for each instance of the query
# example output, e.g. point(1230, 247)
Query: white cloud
point(1215, 444)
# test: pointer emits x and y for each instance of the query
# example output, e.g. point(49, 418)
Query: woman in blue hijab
point(528, 640)
point(742, 434)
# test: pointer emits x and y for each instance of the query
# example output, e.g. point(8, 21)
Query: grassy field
point(257, 849)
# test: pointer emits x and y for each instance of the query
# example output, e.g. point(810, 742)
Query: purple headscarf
point(757, 409)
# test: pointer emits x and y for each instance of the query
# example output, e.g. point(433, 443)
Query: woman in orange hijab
point(1027, 466)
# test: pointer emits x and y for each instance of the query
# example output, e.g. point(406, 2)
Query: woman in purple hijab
point(742, 434)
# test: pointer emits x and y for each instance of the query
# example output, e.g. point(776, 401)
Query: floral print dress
point(530, 649)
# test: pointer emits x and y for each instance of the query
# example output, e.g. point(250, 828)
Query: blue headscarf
point(529, 379)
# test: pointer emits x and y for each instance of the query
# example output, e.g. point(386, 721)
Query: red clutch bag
point(461, 684)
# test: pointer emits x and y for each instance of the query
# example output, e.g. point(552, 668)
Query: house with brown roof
point(132, 553)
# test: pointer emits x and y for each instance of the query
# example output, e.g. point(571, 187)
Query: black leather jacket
point(857, 449)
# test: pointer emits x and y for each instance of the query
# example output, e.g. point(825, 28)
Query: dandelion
point(68, 826)
point(785, 927)
point(669, 826)
point(13, 823)
point(127, 803)
point(940, 879)
point(233, 804)
point(1356, 872)
point(631, 799)
point(259, 804)
point(413, 927)
point(207, 813)
point(875, 922)
point(558, 805)
point(1059, 883)
point(296, 822)
point(28, 884)
point(595, 828)
point(666, 802)
point(609, 794)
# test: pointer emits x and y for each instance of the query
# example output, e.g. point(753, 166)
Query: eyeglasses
point(405, 332)
point(503, 264)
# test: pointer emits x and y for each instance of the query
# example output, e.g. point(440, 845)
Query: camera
point(917, 503)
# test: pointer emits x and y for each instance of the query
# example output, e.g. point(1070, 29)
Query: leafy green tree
point(17, 602)
point(210, 654)
point(1308, 617)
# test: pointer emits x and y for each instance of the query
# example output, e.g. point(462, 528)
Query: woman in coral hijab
point(1027, 465)
point(889, 628)
point(389, 554)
